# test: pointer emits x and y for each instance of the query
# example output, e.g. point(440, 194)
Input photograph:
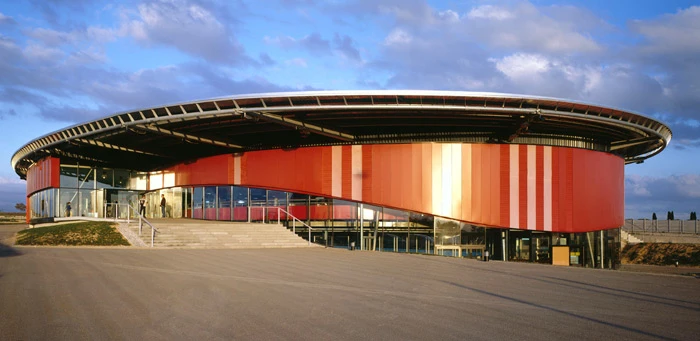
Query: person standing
point(142, 205)
point(162, 205)
point(68, 208)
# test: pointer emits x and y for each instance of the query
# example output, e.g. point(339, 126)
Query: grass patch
point(83, 233)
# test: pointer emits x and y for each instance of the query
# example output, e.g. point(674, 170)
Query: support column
point(362, 226)
point(602, 249)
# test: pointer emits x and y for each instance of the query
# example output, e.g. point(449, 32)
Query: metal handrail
point(129, 210)
point(294, 220)
point(143, 219)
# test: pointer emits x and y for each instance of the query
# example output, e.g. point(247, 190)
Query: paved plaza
point(323, 294)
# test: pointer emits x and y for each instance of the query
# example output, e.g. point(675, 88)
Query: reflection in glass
point(224, 202)
point(210, 203)
point(197, 199)
point(240, 203)
point(258, 199)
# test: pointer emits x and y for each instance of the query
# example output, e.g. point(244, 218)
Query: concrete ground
point(320, 294)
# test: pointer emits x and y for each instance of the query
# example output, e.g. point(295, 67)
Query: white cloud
point(39, 53)
point(671, 33)
point(188, 27)
point(397, 37)
point(522, 65)
point(489, 12)
point(52, 37)
point(645, 194)
point(4, 19)
point(449, 16)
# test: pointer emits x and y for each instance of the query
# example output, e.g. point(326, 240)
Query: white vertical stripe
point(446, 186)
point(357, 173)
point(337, 171)
point(237, 170)
point(547, 188)
point(531, 187)
point(467, 193)
point(436, 172)
point(514, 186)
point(456, 209)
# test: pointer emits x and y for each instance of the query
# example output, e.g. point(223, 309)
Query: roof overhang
point(154, 138)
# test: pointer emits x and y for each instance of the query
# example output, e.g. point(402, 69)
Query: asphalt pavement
point(63, 293)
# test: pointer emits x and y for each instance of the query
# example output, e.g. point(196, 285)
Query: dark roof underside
point(156, 138)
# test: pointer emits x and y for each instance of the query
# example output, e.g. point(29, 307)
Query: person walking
point(142, 205)
point(162, 205)
point(68, 208)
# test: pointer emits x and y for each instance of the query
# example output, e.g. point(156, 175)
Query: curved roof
point(154, 138)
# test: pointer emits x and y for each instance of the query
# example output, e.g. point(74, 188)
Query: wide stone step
point(218, 235)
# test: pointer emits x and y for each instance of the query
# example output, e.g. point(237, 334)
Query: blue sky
point(64, 62)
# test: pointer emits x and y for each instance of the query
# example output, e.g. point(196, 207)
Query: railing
point(142, 220)
point(662, 226)
point(118, 210)
point(289, 215)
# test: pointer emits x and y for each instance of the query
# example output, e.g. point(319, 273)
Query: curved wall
point(518, 186)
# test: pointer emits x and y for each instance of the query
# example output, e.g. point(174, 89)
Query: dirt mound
point(662, 254)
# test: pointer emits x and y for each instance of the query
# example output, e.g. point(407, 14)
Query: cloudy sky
point(64, 62)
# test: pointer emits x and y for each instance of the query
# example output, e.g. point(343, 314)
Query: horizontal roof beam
point(188, 137)
point(633, 142)
point(114, 147)
point(290, 122)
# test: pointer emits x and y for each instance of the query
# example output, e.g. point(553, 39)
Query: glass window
point(105, 177)
point(224, 203)
point(210, 203)
point(210, 197)
point(224, 196)
point(121, 178)
point(240, 195)
point(240, 203)
point(258, 199)
point(276, 198)
point(69, 176)
point(197, 209)
point(67, 195)
point(138, 181)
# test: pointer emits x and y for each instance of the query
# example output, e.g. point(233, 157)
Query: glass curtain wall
point(223, 198)
point(240, 203)
point(197, 203)
point(258, 200)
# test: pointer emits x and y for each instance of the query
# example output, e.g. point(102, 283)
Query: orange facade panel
point(550, 188)
point(46, 173)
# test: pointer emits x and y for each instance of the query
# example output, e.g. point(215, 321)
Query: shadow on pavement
point(596, 288)
point(8, 251)
point(559, 311)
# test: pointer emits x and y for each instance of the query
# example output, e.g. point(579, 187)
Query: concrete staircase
point(191, 234)
point(628, 238)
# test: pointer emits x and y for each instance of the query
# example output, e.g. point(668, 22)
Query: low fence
point(662, 226)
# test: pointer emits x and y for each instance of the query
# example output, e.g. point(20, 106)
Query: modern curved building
point(410, 171)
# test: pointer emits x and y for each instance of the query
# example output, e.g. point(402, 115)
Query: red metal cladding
point(527, 187)
point(44, 174)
